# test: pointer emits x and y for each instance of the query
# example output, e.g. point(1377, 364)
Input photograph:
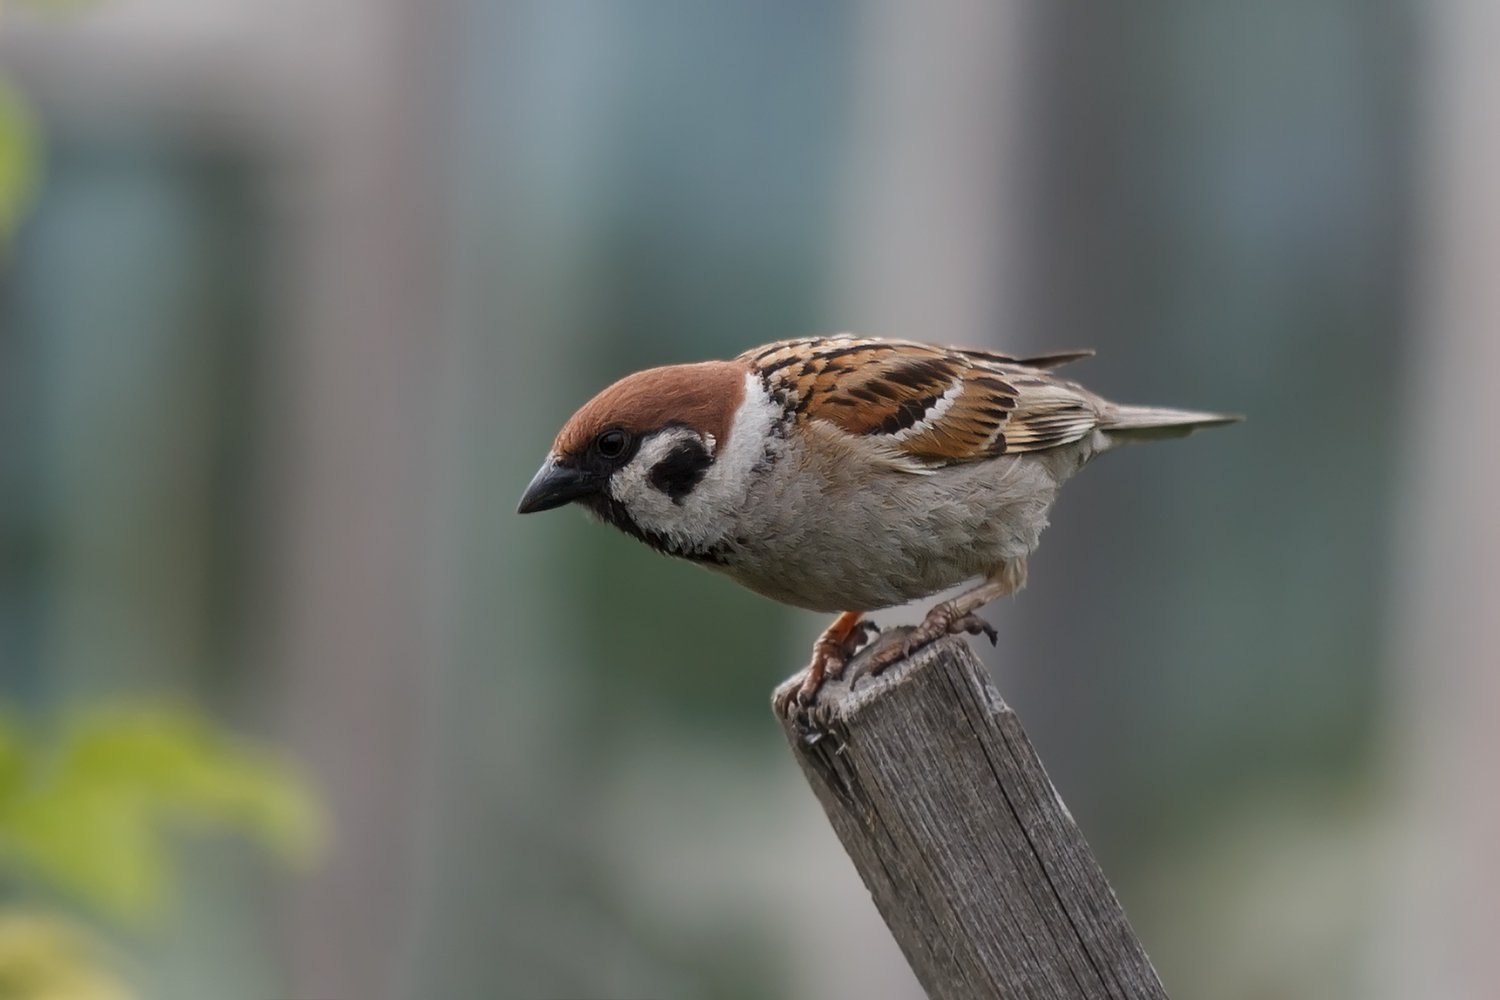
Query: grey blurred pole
point(1442, 917)
point(355, 375)
point(926, 246)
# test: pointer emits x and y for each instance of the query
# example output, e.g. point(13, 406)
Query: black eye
point(611, 444)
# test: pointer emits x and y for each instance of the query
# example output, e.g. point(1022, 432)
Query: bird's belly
point(821, 578)
point(899, 538)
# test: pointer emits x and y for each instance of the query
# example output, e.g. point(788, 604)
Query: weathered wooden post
point(971, 856)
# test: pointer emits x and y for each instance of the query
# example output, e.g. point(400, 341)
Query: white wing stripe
point(934, 415)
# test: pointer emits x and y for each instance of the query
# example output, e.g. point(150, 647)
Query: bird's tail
point(1147, 423)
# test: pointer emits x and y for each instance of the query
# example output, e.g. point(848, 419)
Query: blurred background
point(293, 298)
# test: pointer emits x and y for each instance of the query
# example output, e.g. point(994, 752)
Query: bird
point(845, 474)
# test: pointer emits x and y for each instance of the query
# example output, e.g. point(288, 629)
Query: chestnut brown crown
point(607, 431)
point(702, 396)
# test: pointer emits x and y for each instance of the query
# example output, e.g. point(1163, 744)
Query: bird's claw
point(790, 698)
point(975, 625)
point(828, 663)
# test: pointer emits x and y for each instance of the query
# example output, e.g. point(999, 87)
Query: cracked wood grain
point(971, 856)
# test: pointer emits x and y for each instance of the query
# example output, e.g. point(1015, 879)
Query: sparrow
point(845, 474)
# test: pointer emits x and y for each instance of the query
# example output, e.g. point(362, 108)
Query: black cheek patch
point(682, 469)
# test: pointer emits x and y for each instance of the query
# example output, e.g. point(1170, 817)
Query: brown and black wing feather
point(929, 406)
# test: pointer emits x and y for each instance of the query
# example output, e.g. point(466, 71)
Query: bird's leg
point(831, 652)
point(842, 640)
point(952, 617)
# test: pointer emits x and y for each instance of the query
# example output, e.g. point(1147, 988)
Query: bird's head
point(666, 455)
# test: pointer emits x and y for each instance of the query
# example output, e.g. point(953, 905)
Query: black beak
point(555, 485)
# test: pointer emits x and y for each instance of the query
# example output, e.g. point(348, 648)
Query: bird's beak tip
point(553, 486)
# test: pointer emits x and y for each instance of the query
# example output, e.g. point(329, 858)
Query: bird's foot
point(831, 654)
point(940, 621)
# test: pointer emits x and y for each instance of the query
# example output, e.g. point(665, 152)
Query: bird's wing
point(926, 407)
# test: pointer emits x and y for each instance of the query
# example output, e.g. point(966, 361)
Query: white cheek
point(711, 509)
point(631, 486)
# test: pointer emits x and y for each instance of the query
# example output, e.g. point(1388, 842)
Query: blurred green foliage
point(87, 807)
point(19, 157)
point(43, 957)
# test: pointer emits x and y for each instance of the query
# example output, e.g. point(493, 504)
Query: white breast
point(858, 537)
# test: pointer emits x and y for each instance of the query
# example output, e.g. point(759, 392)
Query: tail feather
point(1057, 359)
point(1145, 423)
